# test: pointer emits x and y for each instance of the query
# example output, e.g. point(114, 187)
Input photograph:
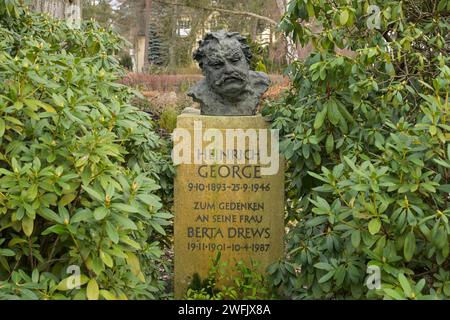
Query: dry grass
point(161, 82)
point(276, 88)
point(177, 83)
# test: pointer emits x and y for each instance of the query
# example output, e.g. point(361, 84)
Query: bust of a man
point(229, 88)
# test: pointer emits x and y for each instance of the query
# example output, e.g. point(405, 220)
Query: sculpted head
point(229, 87)
point(224, 58)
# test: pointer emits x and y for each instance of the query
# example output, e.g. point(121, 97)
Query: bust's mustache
point(230, 76)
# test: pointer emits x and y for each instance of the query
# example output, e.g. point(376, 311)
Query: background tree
point(165, 19)
point(250, 18)
point(62, 9)
point(99, 10)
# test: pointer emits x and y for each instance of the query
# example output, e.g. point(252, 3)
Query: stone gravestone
point(229, 184)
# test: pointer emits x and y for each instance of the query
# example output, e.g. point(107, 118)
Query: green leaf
point(46, 107)
point(130, 242)
point(310, 10)
point(442, 5)
point(58, 100)
point(57, 229)
point(320, 118)
point(442, 163)
point(326, 277)
point(440, 238)
point(404, 188)
point(322, 204)
point(350, 163)
point(107, 295)
point(112, 232)
point(405, 284)
point(71, 282)
point(82, 215)
point(133, 262)
point(445, 188)
point(446, 288)
point(316, 221)
point(163, 215)
point(14, 120)
point(124, 207)
point(150, 200)
point(94, 194)
point(317, 176)
point(124, 222)
point(323, 266)
point(100, 213)
point(35, 104)
point(339, 276)
point(389, 67)
point(106, 258)
point(410, 246)
point(356, 238)
point(333, 112)
point(428, 187)
point(6, 172)
point(2, 127)
point(45, 82)
point(35, 276)
point(374, 226)
point(92, 291)
point(158, 228)
point(433, 130)
point(18, 105)
point(343, 18)
point(394, 294)
point(420, 285)
point(67, 198)
point(15, 165)
point(27, 226)
point(7, 253)
point(329, 144)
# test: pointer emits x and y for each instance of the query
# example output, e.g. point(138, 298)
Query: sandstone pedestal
point(237, 209)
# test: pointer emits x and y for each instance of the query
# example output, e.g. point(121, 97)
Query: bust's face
point(226, 68)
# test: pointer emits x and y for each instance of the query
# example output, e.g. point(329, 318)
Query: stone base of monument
point(237, 209)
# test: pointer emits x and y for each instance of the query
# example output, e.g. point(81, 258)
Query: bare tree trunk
point(140, 36)
point(173, 40)
point(60, 9)
point(140, 53)
point(55, 8)
point(291, 48)
point(147, 17)
point(254, 30)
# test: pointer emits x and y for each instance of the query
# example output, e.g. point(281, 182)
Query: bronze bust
point(229, 88)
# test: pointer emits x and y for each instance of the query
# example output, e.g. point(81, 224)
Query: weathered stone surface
point(229, 87)
point(240, 214)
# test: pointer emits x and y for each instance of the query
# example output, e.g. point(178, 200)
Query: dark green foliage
point(80, 167)
point(168, 120)
point(157, 48)
point(367, 137)
point(261, 60)
point(126, 61)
